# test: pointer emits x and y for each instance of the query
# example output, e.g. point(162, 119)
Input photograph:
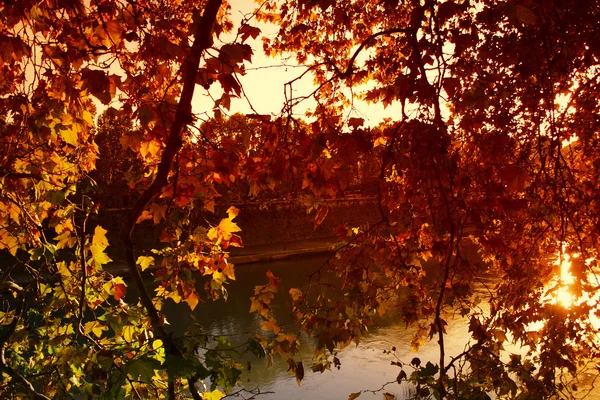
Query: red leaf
point(246, 31)
point(235, 53)
point(120, 291)
point(229, 84)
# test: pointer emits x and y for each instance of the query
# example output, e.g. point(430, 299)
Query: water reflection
point(365, 367)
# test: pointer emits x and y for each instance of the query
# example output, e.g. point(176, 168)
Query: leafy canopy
point(490, 167)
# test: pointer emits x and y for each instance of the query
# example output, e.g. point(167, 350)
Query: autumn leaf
point(98, 256)
point(192, 299)
point(229, 84)
point(145, 262)
point(356, 122)
point(299, 372)
point(115, 31)
point(97, 83)
point(99, 239)
point(232, 212)
point(120, 291)
point(273, 281)
point(65, 240)
point(248, 31)
point(380, 141)
point(129, 333)
point(235, 53)
point(95, 327)
point(223, 231)
point(295, 294)
point(354, 396)
point(271, 325)
point(214, 395)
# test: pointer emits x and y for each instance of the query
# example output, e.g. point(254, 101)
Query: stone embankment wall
point(261, 223)
point(281, 221)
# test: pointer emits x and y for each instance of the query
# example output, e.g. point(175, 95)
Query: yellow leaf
point(69, 136)
point(8, 242)
point(224, 230)
point(128, 332)
point(99, 238)
point(144, 262)
point(95, 327)
point(228, 271)
point(192, 300)
point(157, 344)
point(228, 226)
point(99, 257)
point(14, 212)
point(380, 141)
point(214, 395)
point(65, 240)
point(255, 304)
point(175, 296)
point(87, 117)
point(232, 212)
point(66, 225)
point(150, 148)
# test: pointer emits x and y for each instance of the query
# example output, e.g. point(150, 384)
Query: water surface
point(363, 367)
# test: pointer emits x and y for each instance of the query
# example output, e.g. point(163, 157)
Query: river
point(363, 367)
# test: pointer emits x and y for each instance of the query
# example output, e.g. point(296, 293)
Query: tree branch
point(202, 41)
point(350, 66)
point(4, 367)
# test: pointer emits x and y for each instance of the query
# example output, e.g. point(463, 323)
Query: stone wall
point(264, 223)
point(280, 221)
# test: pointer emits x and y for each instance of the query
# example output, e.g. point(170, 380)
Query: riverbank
point(257, 253)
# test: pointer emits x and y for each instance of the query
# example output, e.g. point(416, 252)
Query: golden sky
point(265, 80)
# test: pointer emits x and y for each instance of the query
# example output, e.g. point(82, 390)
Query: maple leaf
point(97, 83)
point(192, 299)
point(229, 84)
point(214, 395)
point(95, 327)
point(9, 242)
point(120, 291)
point(235, 53)
point(115, 31)
point(98, 256)
point(99, 239)
point(248, 31)
point(271, 325)
point(232, 212)
point(145, 262)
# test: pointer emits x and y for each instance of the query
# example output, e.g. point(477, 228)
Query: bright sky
point(265, 80)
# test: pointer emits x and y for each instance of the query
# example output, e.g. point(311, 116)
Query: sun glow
point(563, 294)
